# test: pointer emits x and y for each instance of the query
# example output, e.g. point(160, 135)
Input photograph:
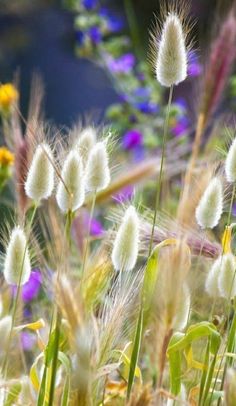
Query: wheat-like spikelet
point(210, 207)
point(126, 244)
point(87, 140)
point(211, 284)
point(17, 266)
point(183, 309)
point(97, 174)
point(227, 279)
point(40, 178)
point(230, 163)
point(73, 177)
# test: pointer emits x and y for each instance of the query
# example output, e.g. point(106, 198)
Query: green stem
point(15, 302)
point(159, 179)
point(133, 26)
point(88, 232)
point(55, 358)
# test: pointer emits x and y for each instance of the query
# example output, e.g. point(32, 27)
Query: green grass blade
point(135, 352)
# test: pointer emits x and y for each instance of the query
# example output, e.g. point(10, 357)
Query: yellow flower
point(8, 95)
point(6, 157)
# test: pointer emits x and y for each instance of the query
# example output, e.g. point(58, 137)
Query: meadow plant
point(141, 309)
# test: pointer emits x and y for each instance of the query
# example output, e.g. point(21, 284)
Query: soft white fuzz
point(171, 64)
point(211, 284)
point(86, 142)
point(230, 163)
point(125, 248)
point(40, 179)
point(182, 398)
point(183, 309)
point(73, 177)
point(227, 277)
point(97, 175)
point(17, 260)
point(210, 207)
point(5, 328)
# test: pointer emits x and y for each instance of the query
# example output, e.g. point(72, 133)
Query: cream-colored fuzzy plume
point(97, 174)
point(227, 277)
point(17, 260)
point(40, 178)
point(230, 163)
point(211, 284)
point(70, 192)
point(126, 244)
point(210, 207)
point(171, 64)
point(86, 142)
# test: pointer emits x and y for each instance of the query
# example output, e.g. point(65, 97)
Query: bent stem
point(88, 233)
point(15, 302)
point(159, 179)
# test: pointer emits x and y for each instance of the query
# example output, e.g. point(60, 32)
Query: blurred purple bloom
point(142, 92)
point(79, 36)
point(28, 340)
point(181, 126)
point(95, 35)
point(96, 228)
point(125, 194)
point(115, 24)
point(147, 107)
point(194, 67)
point(181, 102)
point(89, 4)
point(132, 138)
point(31, 288)
point(234, 209)
point(123, 64)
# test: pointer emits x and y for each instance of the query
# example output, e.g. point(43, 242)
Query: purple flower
point(95, 35)
point(89, 4)
point(31, 289)
point(234, 209)
point(28, 340)
point(96, 228)
point(132, 138)
point(124, 194)
point(181, 126)
point(194, 67)
point(123, 64)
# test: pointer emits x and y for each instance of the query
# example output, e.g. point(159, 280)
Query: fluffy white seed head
point(97, 174)
point(182, 313)
point(40, 178)
point(86, 142)
point(125, 248)
point(211, 284)
point(171, 64)
point(230, 163)
point(71, 197)
point(227, 277)
point(17, 260)
point(210, 207)
point(5, 328)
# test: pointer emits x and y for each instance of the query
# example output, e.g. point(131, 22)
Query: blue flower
point(89, 4)
point(115, 24)
point(95, 35)
point(194, 67)
point(147, 107)
point(79, 36)
point(181, 126)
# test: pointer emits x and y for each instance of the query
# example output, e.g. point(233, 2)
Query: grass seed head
point(230, 163)
point(17, 266)
point(72, 196)
point(86, 142)
point(97, 174)
point(171, 59)
point(126, 244)
point(211, 284)
point(40, 178)
point(210, 207)
point(227, 279)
